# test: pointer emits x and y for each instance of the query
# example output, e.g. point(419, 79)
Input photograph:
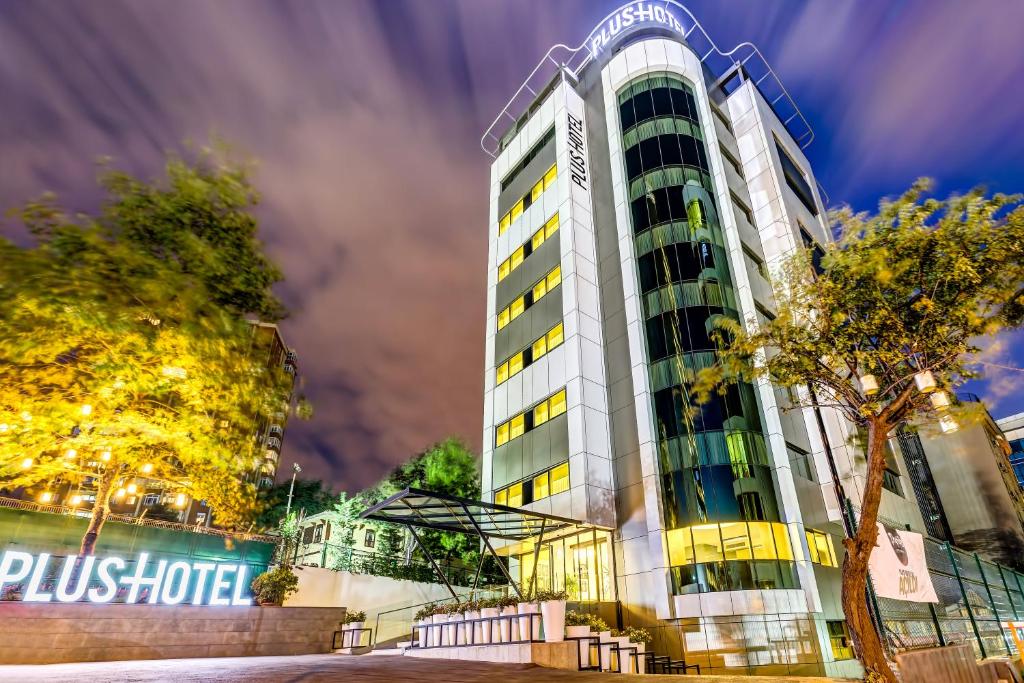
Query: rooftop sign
point(161, 582)
point(633, 14)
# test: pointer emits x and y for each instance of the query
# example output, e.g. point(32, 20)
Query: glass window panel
point(812, 547)
point(539, 290)
point(502, 372)
point(517, 210)
point(555, 336)
point(504, 269)
point(761, 541)
point(501, 436)
point(515, 495)
point(501, 497)
point(782, 545)
point(549, 177)
point(516, 258)
point(537, 190)
point(503, 318)
point(551, 226)
point(557, 403)
point(554, 277)
point(707, 543)
point(680, 547)
point(516, 426)
point(540, 414)
point(560, 478)
point(505, 221)
point(515, 364)
point(517, 308)
point(540, 347)
point(537, 239)
point(826, 551)
point(540, 486)
point(735, 541)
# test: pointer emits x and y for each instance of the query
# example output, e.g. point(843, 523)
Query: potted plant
point(471, 612)
point(350, 633)
point(448, 610)
point(272, 587)
point(577, 625)
point(437, 617)
point(457, 635)
point(488, 608)
point(640, 637)
point(552, 610)
point(420, 621)
point(508, 628)
point(529, 629)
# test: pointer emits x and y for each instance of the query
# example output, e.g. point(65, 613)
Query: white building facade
point(650, 184)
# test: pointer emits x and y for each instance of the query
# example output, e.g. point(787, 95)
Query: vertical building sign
point(577, 151)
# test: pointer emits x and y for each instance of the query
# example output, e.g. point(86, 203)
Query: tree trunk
point(100, 510)
point(855, 565)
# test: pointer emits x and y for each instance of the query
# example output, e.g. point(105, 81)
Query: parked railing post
point(967, 602)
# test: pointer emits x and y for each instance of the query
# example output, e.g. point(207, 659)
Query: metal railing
point(32, 506)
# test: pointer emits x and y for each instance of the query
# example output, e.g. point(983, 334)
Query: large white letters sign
point(166, 582)
point(898, 566)
point(639, 12)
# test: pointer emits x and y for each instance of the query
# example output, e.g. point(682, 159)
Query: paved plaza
point(310, 668)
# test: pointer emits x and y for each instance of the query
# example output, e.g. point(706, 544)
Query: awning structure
point(418, 509)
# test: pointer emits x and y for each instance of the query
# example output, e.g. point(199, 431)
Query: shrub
point(548, 596)
point(508, 601)
point(353, 617)
point(272, 587)
point(576, 619)
point(637, 635)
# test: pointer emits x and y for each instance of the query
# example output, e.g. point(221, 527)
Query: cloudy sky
point(366, 118)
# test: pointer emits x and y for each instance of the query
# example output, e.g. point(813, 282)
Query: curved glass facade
point(713, 460)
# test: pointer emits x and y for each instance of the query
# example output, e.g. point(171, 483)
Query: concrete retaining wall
point(81, 632)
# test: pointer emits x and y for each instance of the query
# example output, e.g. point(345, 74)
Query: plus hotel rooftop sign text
point(640, 12)
point(168, 583)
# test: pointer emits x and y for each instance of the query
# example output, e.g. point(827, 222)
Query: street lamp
point(291, 489)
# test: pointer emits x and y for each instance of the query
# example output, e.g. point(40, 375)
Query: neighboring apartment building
point(154, 499)
point(966, 487)
point(317, 548)
point(645, 188)
point(1013, 430)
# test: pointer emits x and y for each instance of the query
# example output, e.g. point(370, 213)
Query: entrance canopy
point(419, 509)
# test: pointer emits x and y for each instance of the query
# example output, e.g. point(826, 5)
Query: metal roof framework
point(420, 509)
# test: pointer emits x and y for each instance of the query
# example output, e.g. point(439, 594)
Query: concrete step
point(389, 651)
point(353, 650)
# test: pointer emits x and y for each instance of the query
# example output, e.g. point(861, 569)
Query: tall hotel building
point(643, 185)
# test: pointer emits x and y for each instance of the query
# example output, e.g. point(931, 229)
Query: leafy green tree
point(903, 296)
point(310, 496)
point(123, 348)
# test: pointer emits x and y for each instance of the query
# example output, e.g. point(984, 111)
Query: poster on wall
point(898, 566)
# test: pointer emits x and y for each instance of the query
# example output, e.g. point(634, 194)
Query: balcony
point(273, 443)
point(276, 431)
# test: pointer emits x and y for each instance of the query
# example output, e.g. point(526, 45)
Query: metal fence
point(976, 598)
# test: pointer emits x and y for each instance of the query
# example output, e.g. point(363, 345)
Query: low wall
point(81, 632)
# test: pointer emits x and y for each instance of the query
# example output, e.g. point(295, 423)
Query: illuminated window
point(515, 495)
point(539, 290)
point(517, 425)
point(517, 210)
point(501, 497)
point(537, 190)
point(516, 259)
point(557, 403)
point(502, 372)
point(501, 437)
point(551, 227)
point(533, 195)
point(550, 176)
point(560, 478)
point(540, 414)
point(540, 347)
point(729, 541)
point(515, 364)
point(517, 307)
point(555, 336)
point(540, 486)
point(504, 269)
point(554, 277)
point(839, 637)
point(820, 546)
point(537, 239)
point(506, 220)
point(503, 318)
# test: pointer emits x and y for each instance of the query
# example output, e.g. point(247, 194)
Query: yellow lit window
point(555, 336)
point(516, 258)
point(554, 277)
point(504, 269)
point(783, 549)
point(557, 403)
point(506, 220)
point(501, 435)
point(501, 497)
point(736, 541)
point(515, 495)
point(539, 290)
point(537, 239)
point(515, 364)
point(761, 541)
point(540, 414)
point(540, 347)
point(707, 543)
point(540, 486)
point(560, 478)
point(517, 210)
point(517, 425)
point(549, 177)
point(502, 373)
point(680, 546)
point(821, 549)
point(537, 190)
point(551, 227)
point(503, 318)
point(517, 308)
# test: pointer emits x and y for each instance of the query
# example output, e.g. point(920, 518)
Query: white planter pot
point(449, 630)
point(350, 635)
point(606, 650)
point(435, 629)
point(638, 666)
point(553, 615)
point(421, 631)
point(526, 611)
point(584, 645)
point(490, 632)
point(472, 630)
point(509, 627)
point(459, 628)
point(623, 655)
